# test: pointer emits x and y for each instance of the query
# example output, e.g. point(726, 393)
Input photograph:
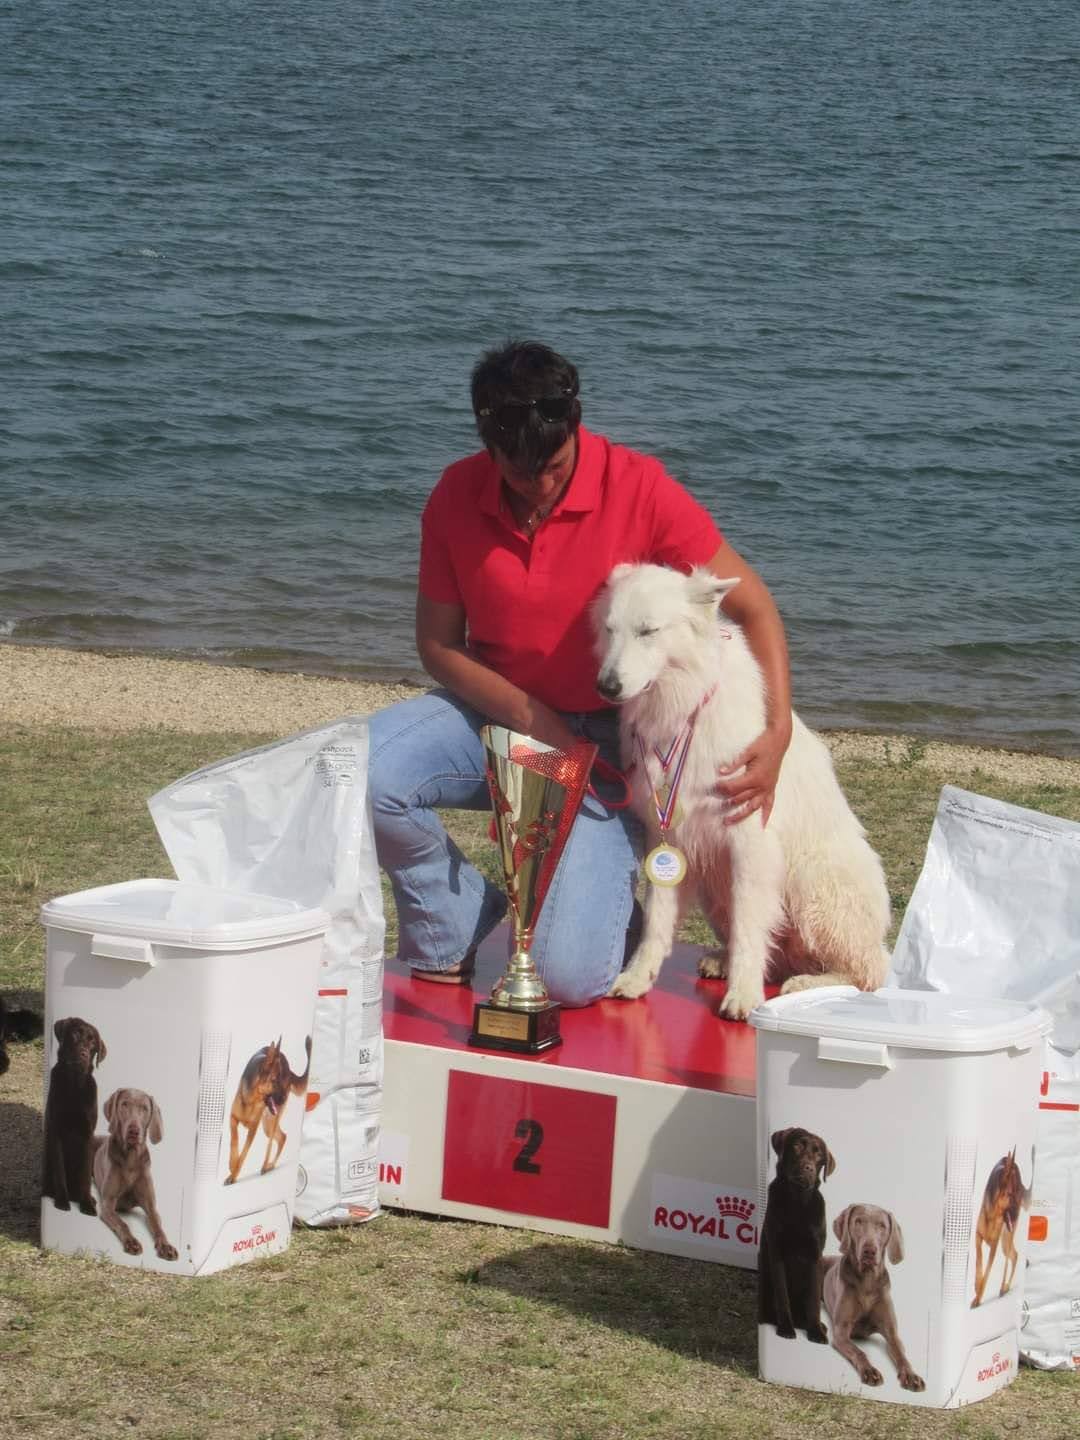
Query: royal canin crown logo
point(736, 1206)
point(999, 1365)
point(730, 1223)
point(254, 1240)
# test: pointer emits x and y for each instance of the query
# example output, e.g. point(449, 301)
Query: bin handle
point(854, 1052)
point(123, 947)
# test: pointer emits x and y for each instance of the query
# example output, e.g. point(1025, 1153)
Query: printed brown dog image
point(1003, 1199)
point(71, 1113)
point(265, 1086)
point(857, 1291)
point(793, 1236)
point(122, 1168)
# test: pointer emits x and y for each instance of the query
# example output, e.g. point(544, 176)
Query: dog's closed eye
point(644, 631)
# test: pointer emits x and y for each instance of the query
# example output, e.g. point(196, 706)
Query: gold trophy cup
point(536, 791)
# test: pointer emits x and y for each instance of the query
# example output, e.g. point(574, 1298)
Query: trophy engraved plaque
point(536, 791)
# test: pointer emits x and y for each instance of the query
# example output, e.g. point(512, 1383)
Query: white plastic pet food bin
point(927, 1105)
point(178, 1022)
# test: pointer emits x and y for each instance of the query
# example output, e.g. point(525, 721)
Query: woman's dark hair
point(505, 384)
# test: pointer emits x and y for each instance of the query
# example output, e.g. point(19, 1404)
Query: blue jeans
point(426, 754)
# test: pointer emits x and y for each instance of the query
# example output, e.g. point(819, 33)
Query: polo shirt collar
point(583, 492)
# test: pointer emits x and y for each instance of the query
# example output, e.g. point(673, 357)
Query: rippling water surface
point(823, 259)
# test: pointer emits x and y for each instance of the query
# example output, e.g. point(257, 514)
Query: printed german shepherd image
point(1003, 1199)
point(265, 1086)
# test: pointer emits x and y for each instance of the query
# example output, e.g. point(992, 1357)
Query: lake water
point(822, 259)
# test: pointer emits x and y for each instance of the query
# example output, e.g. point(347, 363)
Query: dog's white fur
point(806, 890)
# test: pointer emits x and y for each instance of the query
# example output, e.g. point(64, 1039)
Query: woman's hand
point(754, 773)
point(549, 727)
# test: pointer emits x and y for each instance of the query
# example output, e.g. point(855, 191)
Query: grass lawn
point(409, 1326)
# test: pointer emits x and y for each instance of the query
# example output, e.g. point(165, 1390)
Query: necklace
point(532, 522)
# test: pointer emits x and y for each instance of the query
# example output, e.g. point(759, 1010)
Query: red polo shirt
point(526, 602)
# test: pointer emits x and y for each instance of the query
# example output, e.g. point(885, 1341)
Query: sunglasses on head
point(548, 407)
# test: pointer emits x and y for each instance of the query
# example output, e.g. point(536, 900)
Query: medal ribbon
point(680, 744)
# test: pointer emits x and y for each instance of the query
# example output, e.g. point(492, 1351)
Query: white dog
point(806, 889)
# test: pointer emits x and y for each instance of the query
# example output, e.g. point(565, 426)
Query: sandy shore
point(86, 690)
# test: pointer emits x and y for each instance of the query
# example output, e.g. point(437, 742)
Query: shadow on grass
point(20, 1171)
point(704, 1311)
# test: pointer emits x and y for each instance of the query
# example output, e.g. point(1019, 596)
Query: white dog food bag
point(293, 819)
point(996, 913)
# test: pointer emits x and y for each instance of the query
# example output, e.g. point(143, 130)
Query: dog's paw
point(818, 1334)
point(713, 965)
point(62, 1204)
point(786, 1332)
point(795, 983)
point(909, 1380)
point(88, 1207)
point(868, 1375)
point(740, 1000)
point(230, 1179)
point(165, 1251)
point(132, 1246)
point(632, 984)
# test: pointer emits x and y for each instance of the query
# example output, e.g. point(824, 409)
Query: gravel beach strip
point(107, 692)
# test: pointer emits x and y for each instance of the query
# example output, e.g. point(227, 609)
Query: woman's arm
point(751, 606)
point(441, 644)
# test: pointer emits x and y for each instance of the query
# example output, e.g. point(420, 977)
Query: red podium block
point(639, 1128)
point(535, 1150)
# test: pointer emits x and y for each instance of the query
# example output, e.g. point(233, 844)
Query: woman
point(516, 541)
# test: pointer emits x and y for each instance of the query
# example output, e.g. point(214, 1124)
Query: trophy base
point(525, 1032)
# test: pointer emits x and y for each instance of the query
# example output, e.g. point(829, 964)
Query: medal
point(665, 865)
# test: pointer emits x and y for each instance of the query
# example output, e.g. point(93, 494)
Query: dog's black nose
point(609, 687)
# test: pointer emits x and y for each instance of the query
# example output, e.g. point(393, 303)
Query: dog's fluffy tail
point(298, 1083)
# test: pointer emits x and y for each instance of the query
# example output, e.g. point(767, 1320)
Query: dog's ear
point(110, 1105)
point(98, 1052)
point(840, 1225)
point(895, 1249)
point(706, 589)
point(618, 572)
point(779, 1138)
point(59, 1028)
point(830, 1163)
point(157, 1129)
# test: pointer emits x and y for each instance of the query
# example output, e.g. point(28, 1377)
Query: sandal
point(459, 974)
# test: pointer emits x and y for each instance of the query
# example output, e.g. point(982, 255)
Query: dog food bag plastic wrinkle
point(996, 913)
point(293, 819)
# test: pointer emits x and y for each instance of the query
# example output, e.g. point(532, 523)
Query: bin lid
point(910, 1019)
point(174, 912)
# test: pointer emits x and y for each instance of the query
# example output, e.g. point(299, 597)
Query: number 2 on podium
point(532, 1132)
